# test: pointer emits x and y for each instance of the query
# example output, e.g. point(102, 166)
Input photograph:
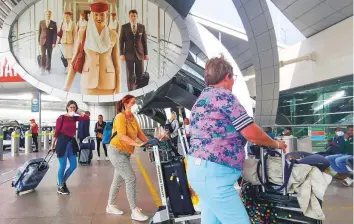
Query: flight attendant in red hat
point(81, 24)
point(113, 22)
point(68, 38)
point(100, 73)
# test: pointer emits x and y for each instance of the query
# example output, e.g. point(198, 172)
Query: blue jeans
point(69, 155)
point(214, 184)
point(338, 163)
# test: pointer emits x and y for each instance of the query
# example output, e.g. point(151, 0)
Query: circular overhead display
point(83, 60)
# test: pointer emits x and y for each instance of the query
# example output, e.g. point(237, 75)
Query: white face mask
point(134, 108)
point(71, 113)
point(339, 133)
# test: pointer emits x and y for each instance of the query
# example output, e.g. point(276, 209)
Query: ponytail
point(120, 103)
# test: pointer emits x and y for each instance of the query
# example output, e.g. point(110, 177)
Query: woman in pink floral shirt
point(220, 128)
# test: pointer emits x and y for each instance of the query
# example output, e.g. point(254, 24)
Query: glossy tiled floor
point(90, 185)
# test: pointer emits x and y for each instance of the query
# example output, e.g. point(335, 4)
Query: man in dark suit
point(47, 39)
point(133, 48)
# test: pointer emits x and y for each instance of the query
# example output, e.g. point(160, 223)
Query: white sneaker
point(107, 158)
point(138, 216)
point(98, 158)
point(113, 209)
point(347, 182)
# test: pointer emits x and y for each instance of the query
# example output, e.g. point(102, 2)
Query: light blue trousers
point(214, 184)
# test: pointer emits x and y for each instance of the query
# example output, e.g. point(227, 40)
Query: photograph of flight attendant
point(113, 22)
point(68, 38)
point(81, 24)
point(101, 72)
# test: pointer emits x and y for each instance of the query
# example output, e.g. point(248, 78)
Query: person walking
point(125, 133)
point(65, 144)
point(34, 129)
point(220, 128)
point(99, 127)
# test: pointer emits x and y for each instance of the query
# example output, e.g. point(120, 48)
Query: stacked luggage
point(86, 148)
point(269, 203)
point(175, 194)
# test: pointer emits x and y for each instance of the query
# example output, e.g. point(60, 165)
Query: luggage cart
point(163, 215)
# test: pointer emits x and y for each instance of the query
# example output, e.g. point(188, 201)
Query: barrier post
point(46, 140)
point(15, 143)
point(1, 144)
point(28, 142)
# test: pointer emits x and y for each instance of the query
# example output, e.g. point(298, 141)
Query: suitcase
point(63, 59)
point(270, 203)
point(144, 81)
point(39, 59)
point(31, 173)
point(177, 190)
point(86, 148)
point(85, 156)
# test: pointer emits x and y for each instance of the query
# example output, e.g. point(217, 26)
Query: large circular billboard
point(97, 56)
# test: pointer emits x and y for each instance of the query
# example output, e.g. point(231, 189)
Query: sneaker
point(35, 150)
point(61, 190)
point(99, 158)
point(138, 215)
point(107, 158)
point(113, 209)
point(66, 188)
point(347, 182)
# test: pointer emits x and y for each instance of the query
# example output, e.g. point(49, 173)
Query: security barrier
point(1, 144)
point(15, 143)
point(28, 142)
point(45, 140)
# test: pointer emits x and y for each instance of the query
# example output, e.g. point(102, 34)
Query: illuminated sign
point(7, 73)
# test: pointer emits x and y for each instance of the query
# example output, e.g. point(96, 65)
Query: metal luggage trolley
point(163, 215)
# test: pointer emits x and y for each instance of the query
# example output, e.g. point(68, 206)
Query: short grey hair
point(216, 69)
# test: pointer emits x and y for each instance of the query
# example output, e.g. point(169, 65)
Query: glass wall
point(327, 103)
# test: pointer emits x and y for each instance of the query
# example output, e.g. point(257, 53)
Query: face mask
point(339, 133)
point(134, 108)
point(71, 113)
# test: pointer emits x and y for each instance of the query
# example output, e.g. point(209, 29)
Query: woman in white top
point(68, 38)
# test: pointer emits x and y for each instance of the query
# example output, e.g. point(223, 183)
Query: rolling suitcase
point(39, 59)
point(85, 154)
point(31, 173)
point(177, 190)
point(144, 81)
point(269, 203)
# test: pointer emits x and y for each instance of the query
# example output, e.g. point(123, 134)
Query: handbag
point(79, 59)
point(60, 33)
point(99, 135)
point(249, 172)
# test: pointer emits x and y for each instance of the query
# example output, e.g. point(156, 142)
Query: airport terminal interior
point(176, 111)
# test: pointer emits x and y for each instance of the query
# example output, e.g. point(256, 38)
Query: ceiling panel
point(313, 16)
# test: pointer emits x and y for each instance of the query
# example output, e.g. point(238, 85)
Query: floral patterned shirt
point(217, 118)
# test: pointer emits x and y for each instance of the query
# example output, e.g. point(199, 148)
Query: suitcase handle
point(262, 165)
point(44, 160)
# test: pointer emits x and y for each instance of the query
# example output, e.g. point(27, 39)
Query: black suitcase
point(177, 190)
point(30, 174)
point(144, 81)
point(39, 59)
